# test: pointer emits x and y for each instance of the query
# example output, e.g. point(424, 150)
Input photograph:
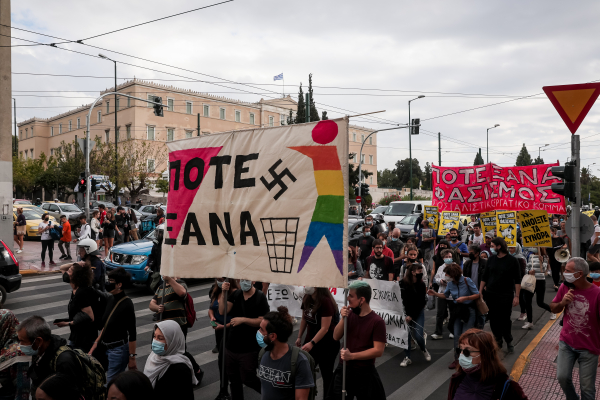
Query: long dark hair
point(408, 276)
point(314, 304)
point(134, 385)
point(215, 291)
point(82, 275)
point(133, 216)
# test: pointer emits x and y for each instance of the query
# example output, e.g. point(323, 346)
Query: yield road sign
point(573, 102)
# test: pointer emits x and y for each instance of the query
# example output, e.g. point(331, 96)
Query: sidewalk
point(536, 369)
point(30, 259)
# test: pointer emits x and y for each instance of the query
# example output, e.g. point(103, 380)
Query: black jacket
point(155, 255)
point(513, 390)
point(467, 270)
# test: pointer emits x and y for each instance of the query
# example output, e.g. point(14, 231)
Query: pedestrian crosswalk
point(48, 297)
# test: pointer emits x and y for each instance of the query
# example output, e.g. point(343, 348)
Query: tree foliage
point(301, 112)
point(324, 116)
point(402, 172)
point(387, 199)
point(387, 179)
point(478, 159)
point(353, 175)
point(538, 161)
point(314, 114)
point(523, 159)
point(427, 176)
point(162, 186)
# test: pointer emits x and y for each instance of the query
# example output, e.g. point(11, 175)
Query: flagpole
point(282, 86)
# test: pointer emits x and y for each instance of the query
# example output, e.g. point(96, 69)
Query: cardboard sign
point(488, 222)
point(266, 205)
point(448, 220)
point(535, 228)
point(481, 188)
point(506, 226)
point(431, 215)
point(589, 213)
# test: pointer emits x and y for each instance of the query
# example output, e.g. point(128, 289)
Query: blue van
point(133, 256)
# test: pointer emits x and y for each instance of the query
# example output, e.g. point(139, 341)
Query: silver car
point(58, 209)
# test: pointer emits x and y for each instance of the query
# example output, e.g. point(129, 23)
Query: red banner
point(489, 187)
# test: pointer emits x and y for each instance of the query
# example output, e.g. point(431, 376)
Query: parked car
point(400, 209)
point(58, 209)
point(406, 226)
point(107, 204)
point(33, 217)
point(133, 256)
point(355, 228)
point(10, 278)
point(379, 211)
point(149, 211)
point(21, 201)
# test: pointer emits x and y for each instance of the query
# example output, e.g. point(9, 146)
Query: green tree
point(478, 159)
point(402, 171)
point(162, 186)
point(15, 144)
point(301, 112)
point(387, 199)
point(290, 119)
point(324, 116)
point(427, 176)
point(353, 175)
point(387, 179)
point(538, 161)
point(314, 114)
point(523, 159)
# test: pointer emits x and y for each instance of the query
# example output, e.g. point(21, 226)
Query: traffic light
point(82, 182)
point(94, 183)
point(414, 130)
point(158, 108)
point(356, 191)
point(567, 186)
point(364, 189)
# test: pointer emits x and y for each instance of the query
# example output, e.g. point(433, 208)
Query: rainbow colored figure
point(328, 217)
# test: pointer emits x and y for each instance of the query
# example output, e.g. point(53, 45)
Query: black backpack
point(312, 395)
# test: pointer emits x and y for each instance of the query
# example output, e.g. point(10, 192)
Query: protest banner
point(488, 222)
point(535, 228)
point(448, 220)
point(431, 215)
point(506, 226)
point(267, 205)
point(386, 301)
point(589, 213)
point(481, 188)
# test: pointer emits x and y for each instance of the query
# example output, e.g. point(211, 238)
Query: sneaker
point(223, 396)
point(445, 321)
point(406, 362)
point(19, 251)
point(413, 347)
point(451, 336)
point(43, 264)
point(427, 355)
point(67, 258)
point(215, 350)
point(435, 336)
point(522, 317)
point(553, 317)
point(61, 257)
point(199, 375)
point(510, 348)
point(52, 263)
point(453, 364)
point(528, 325)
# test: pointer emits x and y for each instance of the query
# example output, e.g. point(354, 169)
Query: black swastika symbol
point(277, 179)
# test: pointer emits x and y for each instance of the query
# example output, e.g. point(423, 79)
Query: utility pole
point(198, 124)
point(15, 140)
point(307, 112)
point(439, 149)
point(410, 182)
point(6, 167)
point(575, 208)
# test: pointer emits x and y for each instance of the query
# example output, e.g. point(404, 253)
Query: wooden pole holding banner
point(345, 338)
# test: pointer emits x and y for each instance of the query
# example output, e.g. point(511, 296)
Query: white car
point(58, 209)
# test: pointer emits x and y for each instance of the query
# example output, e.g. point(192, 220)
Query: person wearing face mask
point(14, 382)
point(365, 243)
point(414, 300)
point(379, 266)
point(320, 315)
point(412, 257)
point(461, 248)
point(366, 342)
point(464, 294)
point(502, 282)
point(558, 243)
point(47, 241)
point(386, 250)
point(488, 241)
point(594, 273)
point(118, 337)
point(484, 255)
point(397, 247)
point(168, 368)
point(369, 222)
point(247, 308)
point(426, 243)
point(276, 362)
point(444, 305)
point(218, 322)
point(473, 268)
point(480, 374)
point(580, 335)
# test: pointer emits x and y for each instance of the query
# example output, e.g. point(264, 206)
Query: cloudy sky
point(461, 55)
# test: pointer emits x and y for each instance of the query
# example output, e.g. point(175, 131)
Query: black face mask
point(356, 310)
point(110, 286)
point(472, 256)
point(411, 259)
point(66, 278)
point(454, 238)
point(419, 277)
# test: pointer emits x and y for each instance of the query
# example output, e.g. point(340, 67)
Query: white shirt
point(439, 275)
point(85, 232)
point(596, 231)
point(45, 234)
point(478, 240)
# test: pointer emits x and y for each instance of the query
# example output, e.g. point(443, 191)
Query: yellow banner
point(448, 220)
point(488, 222)
point(431, 215)
point(589, 213)
point(506, 226)
point(535, 228)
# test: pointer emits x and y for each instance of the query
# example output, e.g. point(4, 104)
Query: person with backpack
point(365, 342)
point(320, 315)
point(118, 335)
point(461, 248)
point(50, 355)
point(89, 254)
point(47, 240)
point(247, 308)
point(65, 239)
point(279, 360)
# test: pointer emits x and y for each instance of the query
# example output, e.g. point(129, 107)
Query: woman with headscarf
point(14, 382)
point(517, 252)
point(169, 370)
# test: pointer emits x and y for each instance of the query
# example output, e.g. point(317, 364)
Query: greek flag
point(278, 77)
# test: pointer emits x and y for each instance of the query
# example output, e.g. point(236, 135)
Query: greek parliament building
point(184, 112)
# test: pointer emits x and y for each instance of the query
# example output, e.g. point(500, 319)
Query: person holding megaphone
point(558, 243)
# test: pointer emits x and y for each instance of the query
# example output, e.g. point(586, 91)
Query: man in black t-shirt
point(370, 223)
point(247, 307)
point(379, 266)
point(555, 265)
point(397, 247)
point(365, 243)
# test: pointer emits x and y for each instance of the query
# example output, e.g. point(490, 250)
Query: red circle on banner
point(358, 199)
point(324, 132)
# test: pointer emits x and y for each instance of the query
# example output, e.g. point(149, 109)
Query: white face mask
point(309, 290)
point(570, 276)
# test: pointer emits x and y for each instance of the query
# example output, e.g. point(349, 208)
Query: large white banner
point(267, 205)
point(386, 301)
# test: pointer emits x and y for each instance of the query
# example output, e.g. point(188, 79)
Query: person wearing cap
point(56, 200)
point(488, 241)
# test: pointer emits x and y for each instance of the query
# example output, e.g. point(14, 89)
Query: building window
point(362, 138)
point(251, 118)
point(21, 135)
point(150, 133)
point(107, 106)
point(32, 131)
point(362, 158)
point(150, 165)
point(31, 151)
point(206, 110)
point(21, 154)
point(170, 134)
point(238, 116)
point(271, 121)
point(26, 154)
point(70, 125)
point(222, 113)
point(128, 129)
point(78, 123)
point(354, 157)
point(51, 131)
point(354, 136)
point(107, 133)
point(170, 104)
point(370, 139)
point(59, 129)
point(150, 98)
point(26, 133)
point(371, 160)
point(188, 107)
point(99, 116)
point(117, 137)
point(51, 152)
point(128, 102)
point(371, 178)
point(282, 119)
point(188, 134)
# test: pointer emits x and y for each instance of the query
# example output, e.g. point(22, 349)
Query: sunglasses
point(467, 352)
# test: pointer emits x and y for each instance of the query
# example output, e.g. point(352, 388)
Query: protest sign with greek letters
point(488, 222)
point(535, 228)
point(431, 215)
point(448, 220)
point(506, 226)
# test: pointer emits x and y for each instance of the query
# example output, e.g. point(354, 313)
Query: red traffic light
point(82, 182)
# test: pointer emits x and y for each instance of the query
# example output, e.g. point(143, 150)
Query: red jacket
point(513, 391)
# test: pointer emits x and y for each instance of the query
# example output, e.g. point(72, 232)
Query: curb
point(523, 360)
point(34, 272)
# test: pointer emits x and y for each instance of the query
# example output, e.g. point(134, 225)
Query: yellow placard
point(431, 215)
point(506, 226)
point(535, 228)
point(488, 222)
point(589, 213)
point(448, 220)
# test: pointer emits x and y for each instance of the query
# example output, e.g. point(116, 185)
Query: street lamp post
point(540, 151)
point(410, 144)
point(116, 134)
point(487, 145)
point(589, 181)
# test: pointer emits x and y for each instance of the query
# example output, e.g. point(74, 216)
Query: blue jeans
point(461, 327)
point(588, 363)
point(118, 358)
point(415, 329)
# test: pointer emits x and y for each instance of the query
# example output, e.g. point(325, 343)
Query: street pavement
point(30, 258)
point(47, 296)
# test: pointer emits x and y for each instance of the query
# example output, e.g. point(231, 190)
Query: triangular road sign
point(573, 101)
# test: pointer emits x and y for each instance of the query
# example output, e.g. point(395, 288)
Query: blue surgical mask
point(493, 251)
point(394, 239)
point(28, 350)
point(594, 275)
point(158, 347)
point(219, 284)
point(448, 261)
point(367, 233)
point(260, 339)
point(465, 362)
point(245, 285)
